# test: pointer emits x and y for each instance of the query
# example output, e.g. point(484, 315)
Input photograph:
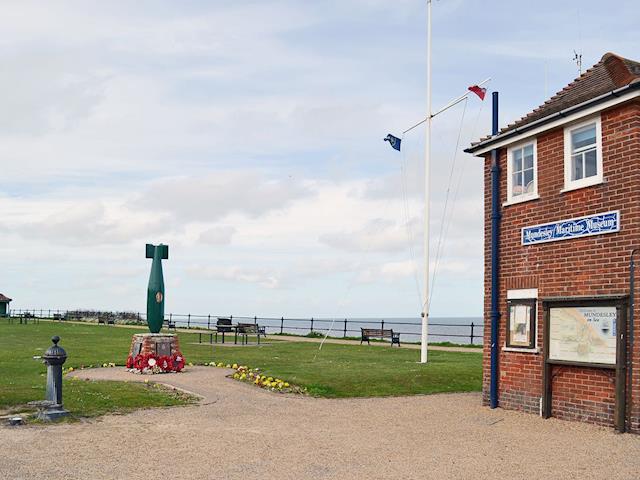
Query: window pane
point(528, 180)
point(590, 163)
point(528, 156)
point(517, 160)
point(516, 185)
point(576, 167)
point(520, 327)
point(583, 137)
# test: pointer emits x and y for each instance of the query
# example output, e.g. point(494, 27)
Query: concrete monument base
point(155, 353)
point(154, 343)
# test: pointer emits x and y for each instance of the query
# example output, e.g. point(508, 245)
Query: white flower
point(178, 358)
point(152, 362)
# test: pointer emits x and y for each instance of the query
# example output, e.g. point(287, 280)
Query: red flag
point(481, 92)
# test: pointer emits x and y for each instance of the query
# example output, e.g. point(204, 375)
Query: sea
point(459, 330)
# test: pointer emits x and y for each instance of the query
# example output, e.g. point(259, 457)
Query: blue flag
point(393, 141)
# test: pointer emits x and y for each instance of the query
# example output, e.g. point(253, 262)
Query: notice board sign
point(584, 334)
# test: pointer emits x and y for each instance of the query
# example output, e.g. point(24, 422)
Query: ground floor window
point(521, 324)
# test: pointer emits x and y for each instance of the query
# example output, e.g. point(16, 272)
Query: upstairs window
point(522, 173)
point(583, 155)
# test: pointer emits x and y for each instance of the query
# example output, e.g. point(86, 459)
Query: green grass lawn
point(358, 371)
point(336, 371)
point(22, 378)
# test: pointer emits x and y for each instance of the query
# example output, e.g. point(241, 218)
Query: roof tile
point(610, 73)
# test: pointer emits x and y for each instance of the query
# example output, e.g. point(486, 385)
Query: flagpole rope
point(462, 170)
point(439, 247)
point(408, 225)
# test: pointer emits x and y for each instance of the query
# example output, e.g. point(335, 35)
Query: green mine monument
point(155, 352)
point(155, 290)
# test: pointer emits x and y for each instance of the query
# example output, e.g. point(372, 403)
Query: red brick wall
point(578, 393)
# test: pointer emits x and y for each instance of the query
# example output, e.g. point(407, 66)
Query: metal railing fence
point(463, 333)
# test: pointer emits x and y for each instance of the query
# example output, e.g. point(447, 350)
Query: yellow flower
point(71, 369)
point(146, 380)
point(236, 376)
point(286, 384)
point(270, 379)
point(220, 365)
point(243, 376)
point(280, 384)
point(228, 366)
point(235, 365)
point(257, 382)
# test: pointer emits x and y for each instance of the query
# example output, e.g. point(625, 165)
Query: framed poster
point(521, 321)
point(583, 334)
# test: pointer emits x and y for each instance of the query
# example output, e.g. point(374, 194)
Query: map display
point(583, 334)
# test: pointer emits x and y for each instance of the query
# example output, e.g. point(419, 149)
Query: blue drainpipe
point(495, 258)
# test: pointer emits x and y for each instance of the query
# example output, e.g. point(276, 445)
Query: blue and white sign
point(599, 224)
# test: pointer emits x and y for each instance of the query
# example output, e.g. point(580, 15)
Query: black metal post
point(472, 333)
point(311, 324)
point(495, 259)
point(345, 328)
point(281, 325)
point(632, 307)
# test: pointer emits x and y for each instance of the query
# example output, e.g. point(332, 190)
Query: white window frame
point(588, 181)
point(511, 199)
point(524, 294)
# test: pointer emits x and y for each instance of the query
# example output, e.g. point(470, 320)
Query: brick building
point(559, 241)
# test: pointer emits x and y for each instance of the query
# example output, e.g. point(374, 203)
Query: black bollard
point(54, 358)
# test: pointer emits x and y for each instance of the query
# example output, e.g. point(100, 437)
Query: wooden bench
point(107, 320)
point(246, 329)
point(223, 325)
point(24, 318)
point(368, 333)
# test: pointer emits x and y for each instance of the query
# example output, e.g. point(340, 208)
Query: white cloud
point(388, 272)
point(208, 198)
point(379, 235)
point(264, 277)
point(218, 235)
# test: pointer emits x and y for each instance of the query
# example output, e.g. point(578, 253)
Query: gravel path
point(241, 432)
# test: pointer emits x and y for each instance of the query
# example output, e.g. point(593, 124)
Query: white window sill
point(578, 185)
point(521, 350)
point(515, 201)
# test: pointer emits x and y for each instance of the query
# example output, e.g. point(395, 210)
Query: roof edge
point(562, 113)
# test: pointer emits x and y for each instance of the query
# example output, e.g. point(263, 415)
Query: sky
point(248, 137)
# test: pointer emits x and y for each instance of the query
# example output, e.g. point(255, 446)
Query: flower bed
point(255, 377)
point(152, 363)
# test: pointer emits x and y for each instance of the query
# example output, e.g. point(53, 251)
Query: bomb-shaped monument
point(155, 352)
point(155, 290)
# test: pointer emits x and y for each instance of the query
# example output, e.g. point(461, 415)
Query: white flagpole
point(427, 182)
